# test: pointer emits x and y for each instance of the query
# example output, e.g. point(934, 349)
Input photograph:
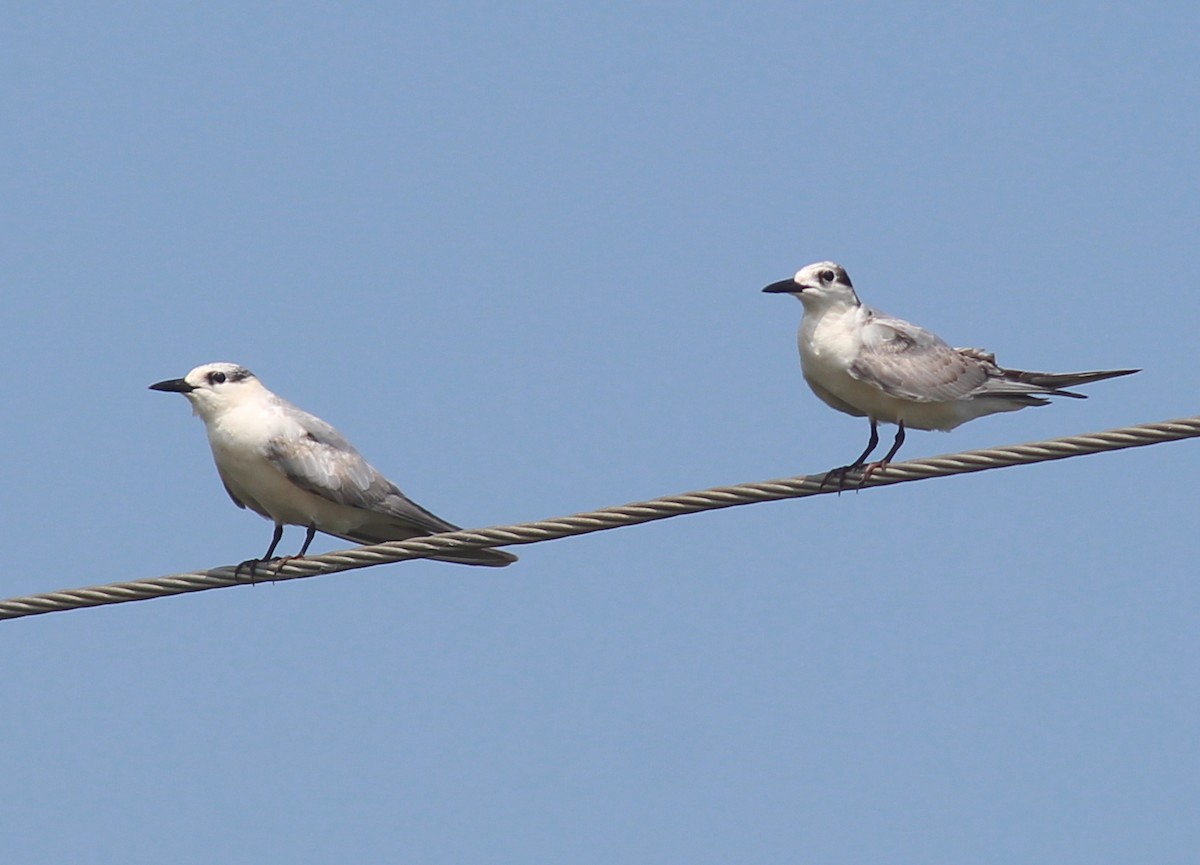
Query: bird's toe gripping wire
point(837, 477)
point(882, 464)
point(251, 565)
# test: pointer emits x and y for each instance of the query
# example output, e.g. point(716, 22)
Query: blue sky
point(514, 253)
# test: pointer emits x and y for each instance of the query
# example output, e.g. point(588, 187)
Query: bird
point(293, 468)
point(866, 363)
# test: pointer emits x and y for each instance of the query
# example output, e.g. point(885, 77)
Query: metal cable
point(608, 518)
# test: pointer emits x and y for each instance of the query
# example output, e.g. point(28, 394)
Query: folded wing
point(911, 363)
point(321, 461)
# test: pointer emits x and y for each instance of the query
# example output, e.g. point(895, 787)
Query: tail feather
point(1057, 380)
point(406, 519)
point(485, 556)
point(488, 558)
point(1053, 383)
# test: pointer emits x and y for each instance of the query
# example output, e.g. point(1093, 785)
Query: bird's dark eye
point(216, 378)
point(827, 276)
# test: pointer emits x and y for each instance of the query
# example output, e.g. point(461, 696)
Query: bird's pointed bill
point(784, 286)
point(173, 385)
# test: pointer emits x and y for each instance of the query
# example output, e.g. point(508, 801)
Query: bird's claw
point(251, 567)
point(280, 561)
point(839, 474)
point(870, 469)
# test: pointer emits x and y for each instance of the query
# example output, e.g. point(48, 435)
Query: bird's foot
point(870, 469)
point(280, 561)
point(251, 567)
point(836, 478)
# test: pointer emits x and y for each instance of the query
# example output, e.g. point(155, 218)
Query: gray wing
point(321, 461)
point(909, 362)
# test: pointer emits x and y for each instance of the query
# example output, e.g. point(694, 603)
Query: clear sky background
point(514, 253)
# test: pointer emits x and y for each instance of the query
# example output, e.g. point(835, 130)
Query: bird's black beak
point(784, 286)
point(173, 385)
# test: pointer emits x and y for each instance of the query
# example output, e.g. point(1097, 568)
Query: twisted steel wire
point(608, 518)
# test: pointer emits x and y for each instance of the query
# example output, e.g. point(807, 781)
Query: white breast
point(829, 342)
point(239, 441)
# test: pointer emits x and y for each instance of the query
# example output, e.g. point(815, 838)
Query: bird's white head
point(818, 286)
point(215, 388)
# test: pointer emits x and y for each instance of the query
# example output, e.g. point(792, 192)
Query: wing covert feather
point(909, 362)
point(323, 462)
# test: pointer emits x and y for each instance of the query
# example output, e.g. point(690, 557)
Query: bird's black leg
point(308, 539)
point(871, 445)
point(883, 463)
point(840, 473)
point(275, 539)
point(252, 564)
